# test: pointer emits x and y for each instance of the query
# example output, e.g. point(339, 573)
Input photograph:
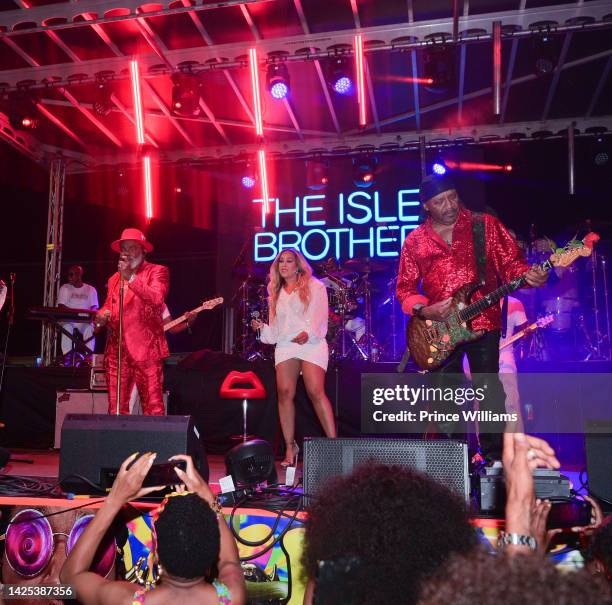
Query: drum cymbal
point(364, 265)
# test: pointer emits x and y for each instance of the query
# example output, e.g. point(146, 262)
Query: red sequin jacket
point(430, 270)
point(143, 327)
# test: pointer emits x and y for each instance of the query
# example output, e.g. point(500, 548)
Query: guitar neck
point(518, 335)
point(183, 317)
point(476, 308)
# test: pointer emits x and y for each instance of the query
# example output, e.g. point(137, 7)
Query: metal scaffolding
point(53, 254)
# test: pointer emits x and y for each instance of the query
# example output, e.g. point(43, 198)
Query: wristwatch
point(517, 540)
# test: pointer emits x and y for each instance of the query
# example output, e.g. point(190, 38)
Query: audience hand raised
point(192, 479)
point(128, 484)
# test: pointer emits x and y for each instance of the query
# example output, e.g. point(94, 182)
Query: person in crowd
point(479, 578)
point(598, 552)
point(144, 344)
point(384, 530)
point(298, 313)
point(77, 295)
point(192, 539)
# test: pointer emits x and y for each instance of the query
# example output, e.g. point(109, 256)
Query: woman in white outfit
point(298, 317)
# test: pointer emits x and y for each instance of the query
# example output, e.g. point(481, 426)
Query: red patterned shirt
point(430, 270)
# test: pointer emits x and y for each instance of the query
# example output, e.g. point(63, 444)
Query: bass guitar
point(207, 304)
point(542, 322)
point(432, 342)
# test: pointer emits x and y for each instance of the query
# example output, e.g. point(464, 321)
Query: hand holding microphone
point(124, 267)
point(256, 324)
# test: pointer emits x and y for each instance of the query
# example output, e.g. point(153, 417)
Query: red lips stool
point(254, 390)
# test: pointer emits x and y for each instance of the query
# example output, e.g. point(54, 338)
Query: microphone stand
point(11, 320)
point(120, 334)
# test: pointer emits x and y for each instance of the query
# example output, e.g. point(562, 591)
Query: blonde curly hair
point(276, 282)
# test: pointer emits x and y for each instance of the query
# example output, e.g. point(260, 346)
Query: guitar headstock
point(564, 257)
point(212, 303)
point(542, 322)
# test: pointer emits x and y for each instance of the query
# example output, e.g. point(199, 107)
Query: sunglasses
point(30, 544)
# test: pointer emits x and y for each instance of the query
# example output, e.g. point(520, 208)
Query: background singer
point(144, 344)
point(298, 314)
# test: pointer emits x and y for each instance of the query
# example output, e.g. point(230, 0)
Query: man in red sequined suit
point(437, 259)
point(144, 344)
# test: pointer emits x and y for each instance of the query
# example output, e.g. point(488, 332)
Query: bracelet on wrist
point(512, 539)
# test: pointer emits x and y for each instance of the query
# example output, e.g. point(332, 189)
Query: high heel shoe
point(293, 460)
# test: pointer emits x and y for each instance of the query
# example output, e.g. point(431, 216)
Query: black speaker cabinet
point(95, 445)
point(598, 442)
point(443, 460)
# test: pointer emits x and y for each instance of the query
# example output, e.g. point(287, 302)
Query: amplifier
point(548, 484)
point(443, 460)
point(77, 402)
point(94, 446)
point(89, 402)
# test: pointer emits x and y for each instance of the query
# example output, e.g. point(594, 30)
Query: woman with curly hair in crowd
point(197, 558)
point(382, 530)
point(298, 316)
point(508, 579)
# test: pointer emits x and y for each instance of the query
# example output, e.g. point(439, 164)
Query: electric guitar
point(431, 342)
point(542, 322)
point(207, 304)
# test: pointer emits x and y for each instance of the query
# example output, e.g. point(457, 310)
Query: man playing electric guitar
point(454, 247)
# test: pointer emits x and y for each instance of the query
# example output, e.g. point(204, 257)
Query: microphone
point(12, 277)
point(255, 315)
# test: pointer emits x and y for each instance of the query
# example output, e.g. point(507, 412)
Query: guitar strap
point(480, 251)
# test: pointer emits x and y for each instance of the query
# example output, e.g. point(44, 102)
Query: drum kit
point(350, 291)
point(577, 298)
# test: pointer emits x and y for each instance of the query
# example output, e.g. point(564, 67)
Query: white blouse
point(292, 318)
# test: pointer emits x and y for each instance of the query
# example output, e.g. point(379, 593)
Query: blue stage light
point(279, 90)
point(343, 85)
point(339, 75)
point(439, 168)
point(278, 80)
point(248, 182)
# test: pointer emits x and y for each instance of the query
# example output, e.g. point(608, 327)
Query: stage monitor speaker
point(443, 460)
point(95, 445)
point(598, 443)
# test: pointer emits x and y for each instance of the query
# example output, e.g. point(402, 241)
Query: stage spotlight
point(251, 463)
point(439, 69)
point(277, 80)
point(102, 104)
point(508, 168)
point(22, 112)
point(439, 168)
point(186, 95)
point(249, 177)
point(316, 174)
point(364, 171)
point(545, 53)
point(339, 76)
